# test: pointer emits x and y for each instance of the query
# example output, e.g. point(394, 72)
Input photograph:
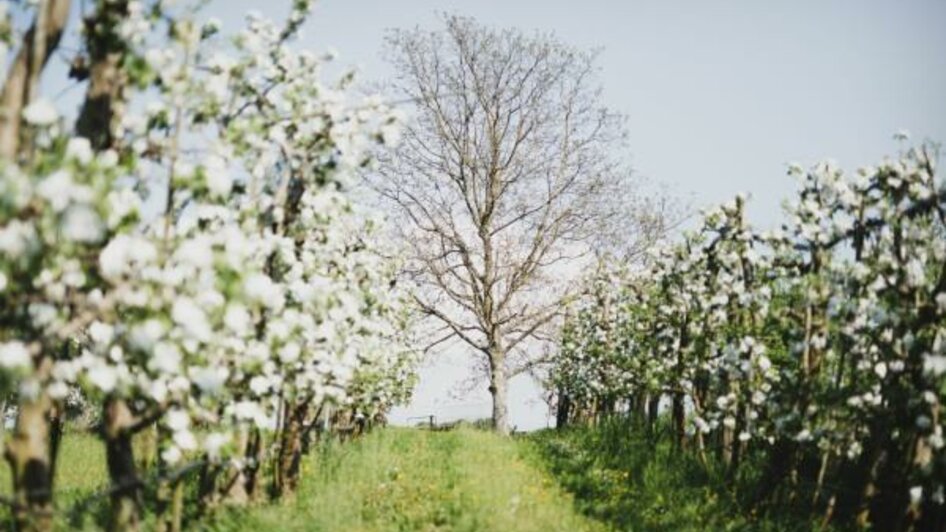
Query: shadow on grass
point(630, 480)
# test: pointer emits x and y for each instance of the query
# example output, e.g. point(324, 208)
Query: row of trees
point(810, 359)
point(186, 256)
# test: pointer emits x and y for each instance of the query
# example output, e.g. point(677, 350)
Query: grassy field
point(82, 476)
point(408, 479)
point(390, 479)
point(605, 478)
point(620, 477)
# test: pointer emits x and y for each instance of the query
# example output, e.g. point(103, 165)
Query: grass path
point(406, 479)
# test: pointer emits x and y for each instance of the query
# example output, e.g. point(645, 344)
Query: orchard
point(224, 259)
point(811, 359)
point(184, 256)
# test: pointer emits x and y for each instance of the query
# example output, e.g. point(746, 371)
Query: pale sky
point(720, 96)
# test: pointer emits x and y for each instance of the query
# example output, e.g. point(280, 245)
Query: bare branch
point(505, 184)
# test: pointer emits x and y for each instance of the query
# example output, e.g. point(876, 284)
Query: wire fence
point(155, 478)
point(84, 503)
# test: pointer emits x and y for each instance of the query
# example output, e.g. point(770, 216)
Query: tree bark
point(498, 387)
point(563, 410)
point(679, 421)
point(253, 456)
point(120, 457)
point(290, 450)
point(57, 424)
point(653, 404)
point(22, 79)
point(104, 100)
point(28, 453)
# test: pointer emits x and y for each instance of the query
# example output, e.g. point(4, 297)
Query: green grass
point(608, 477)
point(86, 470)
point(408, 479)
point(390, 479)
point(81, 476)
point(621, 477)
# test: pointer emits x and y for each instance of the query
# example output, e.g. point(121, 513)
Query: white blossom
point(40, 113)
point(192, 319)
point(934, 364)
point(80, 150)
point(14, 355)
point(209, 380)
point(103, 377)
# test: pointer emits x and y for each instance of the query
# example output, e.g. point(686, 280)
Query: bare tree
point(505, 183)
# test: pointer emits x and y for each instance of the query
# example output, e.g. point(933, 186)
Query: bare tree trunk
point(22, 79)
point(119, 453)
point(253, 456)
point(498, 387)
point(28, 454)
point(563, 410)
point(312, 429)
point(679, 421)
point(57, 424)
point(286, 479)
point(104, 100)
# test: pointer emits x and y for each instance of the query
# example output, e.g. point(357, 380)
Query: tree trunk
point(498, 387)
point(120, 456)
point(290, 450)
point(252, 458)
point(679, 421)
point(311, 431)
point(653, 405)
point(28, 453)
point(104, 99)
point(562, 410)
point(57, 424)
point(22, 79)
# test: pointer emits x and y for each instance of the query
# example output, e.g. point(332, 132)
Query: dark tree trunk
point(562, 410)
point(679, 420)
point(118, 422)
point(253, 457)
point(290, 449)
point(56, 427)
point(28, 454)
point(104, 98)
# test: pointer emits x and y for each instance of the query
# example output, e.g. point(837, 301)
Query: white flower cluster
point(829, 333)
point(258, 286)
